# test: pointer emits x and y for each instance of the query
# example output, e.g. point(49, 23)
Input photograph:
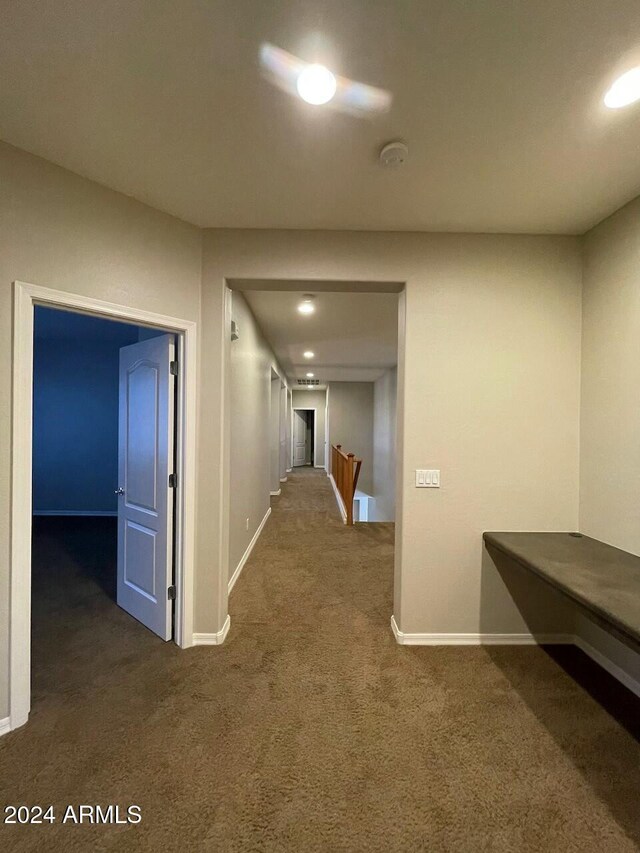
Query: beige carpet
point(310, 729)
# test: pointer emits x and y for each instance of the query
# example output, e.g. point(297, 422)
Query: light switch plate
point(427, 478)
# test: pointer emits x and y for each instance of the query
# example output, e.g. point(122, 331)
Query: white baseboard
point(612, 668)
point(288, 470)
point(275, 494)
point(89, 513)
point(517, 640)
point(283, 479)
point(5, 726)
point(321, 467)
point(341, 506)
point(524, 639)
point(234, 577)
point(213, 639)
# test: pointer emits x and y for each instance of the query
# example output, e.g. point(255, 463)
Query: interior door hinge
point(173, 481)
point(171, 593)
point(173, 368)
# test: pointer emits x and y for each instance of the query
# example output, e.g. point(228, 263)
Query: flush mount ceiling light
point(309, 375)
point(308, 354)
point(625, 90)
point(316, 85)
point(307, 306)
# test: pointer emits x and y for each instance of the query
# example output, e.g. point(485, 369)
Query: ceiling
point(499, 101)
point(354, 335)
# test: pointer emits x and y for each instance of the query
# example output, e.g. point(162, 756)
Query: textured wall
point(61, 231)
point(384, 447)
point(489, 393)
point(255, 444)
point(351, 424)
point(610, 424)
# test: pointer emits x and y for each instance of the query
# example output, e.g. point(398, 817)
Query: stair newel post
point(349, 489)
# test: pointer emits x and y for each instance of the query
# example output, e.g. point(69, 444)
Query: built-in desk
point(604, 581)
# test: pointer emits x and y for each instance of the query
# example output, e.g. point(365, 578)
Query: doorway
point(304, 438)
point(103, 505)
point(156, 441)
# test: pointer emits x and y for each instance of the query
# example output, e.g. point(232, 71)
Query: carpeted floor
point(310, 729)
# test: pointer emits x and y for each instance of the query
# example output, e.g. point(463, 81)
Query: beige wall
point(610, 404)
point(314, 400)
point(610, 425)
point(255, 429)
point(384, 447)
point(351, 424)
point(61, 231)
point(489, 393)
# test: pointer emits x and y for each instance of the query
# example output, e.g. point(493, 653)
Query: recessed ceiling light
point(309, 375)
point(625, 90)
point(308, 354)
point(316, 85)
point(307, 306)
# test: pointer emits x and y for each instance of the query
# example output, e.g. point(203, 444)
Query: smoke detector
point(393, 154)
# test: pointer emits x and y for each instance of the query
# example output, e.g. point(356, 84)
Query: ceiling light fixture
point(307, 306)
point(625, 90)
point(308, 354)
point(316, 85)
point(309, 375)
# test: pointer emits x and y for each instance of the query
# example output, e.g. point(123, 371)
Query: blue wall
point(75, 407)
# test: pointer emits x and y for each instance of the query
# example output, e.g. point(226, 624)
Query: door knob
point(119, 491)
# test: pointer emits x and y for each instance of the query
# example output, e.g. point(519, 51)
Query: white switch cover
point(427, 478)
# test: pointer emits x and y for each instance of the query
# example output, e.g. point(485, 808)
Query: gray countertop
point(602, 579)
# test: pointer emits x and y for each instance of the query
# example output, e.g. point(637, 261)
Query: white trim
point(84, 513)
point(320, 466)
point(288, 470)
point(517, 640)
point(275, 494)
point(234, 577)
point(283, 479)
point(5, 726)
point(26, 296)
point(607, 664)
point(524, 639)
point(213, 639)
point(341, 506)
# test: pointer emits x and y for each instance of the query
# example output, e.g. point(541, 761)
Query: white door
point(299, 438)
point(145, 499)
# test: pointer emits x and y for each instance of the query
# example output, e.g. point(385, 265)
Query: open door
point(145, 502)
point(299, 438)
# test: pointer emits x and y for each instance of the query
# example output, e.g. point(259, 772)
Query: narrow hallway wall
point(384, 447)
point(610, 400)
point(255, 445)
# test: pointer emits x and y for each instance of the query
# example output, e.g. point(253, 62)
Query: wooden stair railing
point(345, 470)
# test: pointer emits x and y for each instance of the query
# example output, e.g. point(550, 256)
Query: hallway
point(310, 729)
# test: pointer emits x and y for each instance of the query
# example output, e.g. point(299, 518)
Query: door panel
point(299, 438)
point(145, 460)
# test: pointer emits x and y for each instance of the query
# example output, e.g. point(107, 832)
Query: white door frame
point(26, 297)
point(315, 431)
